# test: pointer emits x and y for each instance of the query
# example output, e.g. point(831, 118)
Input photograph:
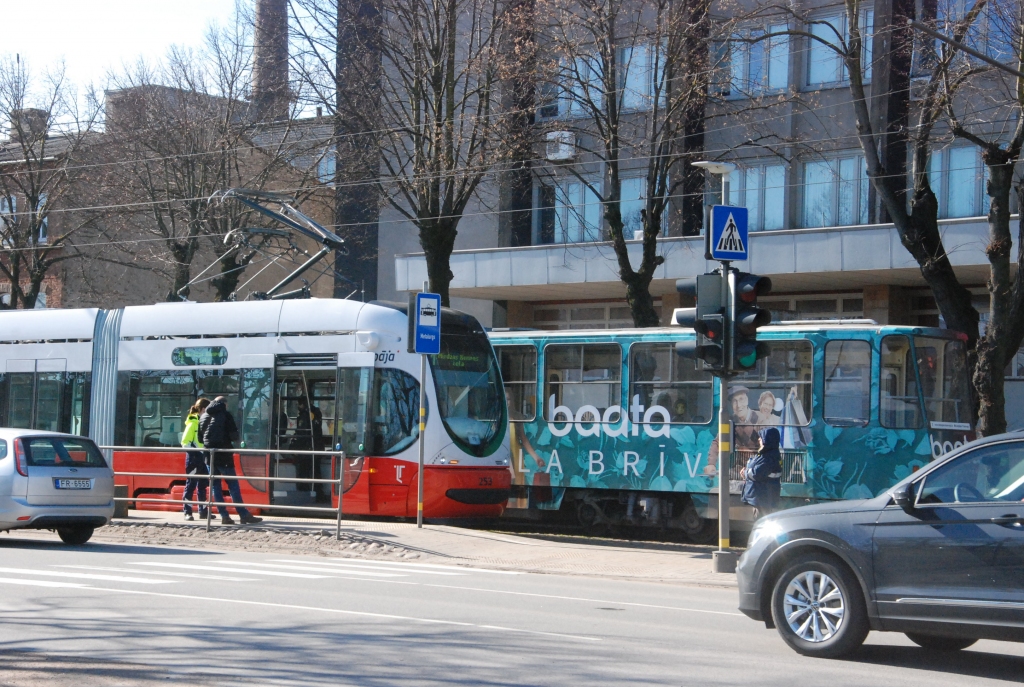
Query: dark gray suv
point(940, 557)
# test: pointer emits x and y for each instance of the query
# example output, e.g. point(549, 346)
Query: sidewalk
point(443, 544)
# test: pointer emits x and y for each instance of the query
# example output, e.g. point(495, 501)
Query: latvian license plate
point(72, 484)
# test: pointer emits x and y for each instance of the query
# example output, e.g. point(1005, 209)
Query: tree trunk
point(438, 240)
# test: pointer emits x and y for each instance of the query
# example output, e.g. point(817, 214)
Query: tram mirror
point(904, 497)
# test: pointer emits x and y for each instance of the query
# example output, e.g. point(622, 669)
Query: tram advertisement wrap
point(879, 421)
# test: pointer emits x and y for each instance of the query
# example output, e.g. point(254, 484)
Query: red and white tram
point(127, 377)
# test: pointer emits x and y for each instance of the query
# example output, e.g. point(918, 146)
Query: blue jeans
point(233, 489)
point(195, 464)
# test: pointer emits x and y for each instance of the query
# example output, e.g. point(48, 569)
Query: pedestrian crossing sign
point(728, 233)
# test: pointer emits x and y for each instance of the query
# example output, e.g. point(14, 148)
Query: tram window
point(899, 404)
point(583, 375)
point(162, 401)
point(77, 402)
point(777, 392)
point(396, 406)
point(21, 397)
point(847, 382)
point(942, 367)
point(519, 375)
point(257, 388)
point(352, 409)
point(214, 383)
point(661, 378)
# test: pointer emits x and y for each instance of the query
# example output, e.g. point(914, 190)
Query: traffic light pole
point(723, 560)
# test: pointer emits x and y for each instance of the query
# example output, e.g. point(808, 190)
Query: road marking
point(364, 614)
point(425, 565)
point(349, 571)
point(274, 573)
point(348, 568)
point(195, 576)
point(43, 583)
point(86, 576)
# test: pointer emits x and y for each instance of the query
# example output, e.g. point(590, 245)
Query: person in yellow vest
point(195, 460)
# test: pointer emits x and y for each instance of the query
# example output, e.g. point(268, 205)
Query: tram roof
point(794, 327)
point(305, 316)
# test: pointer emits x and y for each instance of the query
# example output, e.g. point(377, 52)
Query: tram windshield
point(469, 396)
point(942, 369)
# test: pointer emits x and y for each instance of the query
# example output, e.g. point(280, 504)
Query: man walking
point(219, 431)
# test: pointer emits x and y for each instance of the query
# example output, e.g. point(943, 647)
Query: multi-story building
point(814, 219)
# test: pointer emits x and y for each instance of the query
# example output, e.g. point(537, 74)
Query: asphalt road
point(118, 614)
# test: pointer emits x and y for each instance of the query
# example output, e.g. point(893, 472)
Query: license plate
point(72, 484)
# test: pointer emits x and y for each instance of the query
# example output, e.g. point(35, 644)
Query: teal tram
point(611, 427)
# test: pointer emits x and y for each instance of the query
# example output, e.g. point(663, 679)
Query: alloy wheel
point(814, 606)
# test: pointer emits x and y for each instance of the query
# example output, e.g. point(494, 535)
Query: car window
point(55, 451)
point(989, 473)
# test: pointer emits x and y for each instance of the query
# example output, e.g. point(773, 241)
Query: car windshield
point(62, 452)
point(469, 397)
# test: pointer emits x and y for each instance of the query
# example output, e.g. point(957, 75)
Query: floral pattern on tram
point(858, 410)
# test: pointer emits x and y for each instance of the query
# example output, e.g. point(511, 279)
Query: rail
point(212, 476)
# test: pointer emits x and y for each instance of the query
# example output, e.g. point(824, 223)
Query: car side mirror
point(904, 497)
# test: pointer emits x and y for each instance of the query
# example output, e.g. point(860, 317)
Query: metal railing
point(210, 454)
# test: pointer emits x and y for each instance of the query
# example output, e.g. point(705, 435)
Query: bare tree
point(630, 82)
point(421, 90)
point(177, 135)
point(39, 168)
point(943, 102)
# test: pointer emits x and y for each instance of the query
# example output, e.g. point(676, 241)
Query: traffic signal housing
point(747, 317)
point(707, 319)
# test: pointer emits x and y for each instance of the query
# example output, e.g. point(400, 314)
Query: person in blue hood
point(762, 478)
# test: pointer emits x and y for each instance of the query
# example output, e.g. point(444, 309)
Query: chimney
point(29, 123)
point(270, 93)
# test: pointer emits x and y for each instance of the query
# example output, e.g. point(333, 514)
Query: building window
point(824, 65)
point(643, 69)
point(327, 167)
point(991, 33)
point(585, 316)
point(762, 190)
point(8, 220)
point(633, 201)
point(566, 211)
point(578, 87)
point(757, 66)
point(957, 178)
point(44, 221)
point(835, 192)
point(583, 381)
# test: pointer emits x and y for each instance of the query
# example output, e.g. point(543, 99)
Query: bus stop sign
point(427, 334)
point(728, 233)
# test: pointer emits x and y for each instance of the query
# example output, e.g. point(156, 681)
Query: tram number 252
point(485, 481)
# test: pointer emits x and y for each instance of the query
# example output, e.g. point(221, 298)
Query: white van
point(51, 481)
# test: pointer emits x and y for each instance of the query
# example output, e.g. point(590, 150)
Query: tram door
point(304, 419)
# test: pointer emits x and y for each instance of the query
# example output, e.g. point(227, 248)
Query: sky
point(94, 36)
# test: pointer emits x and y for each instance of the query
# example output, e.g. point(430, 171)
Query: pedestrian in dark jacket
point(219, 432)
point(762, 478)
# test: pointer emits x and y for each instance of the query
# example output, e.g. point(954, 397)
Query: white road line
point(341, 571)
point(86, 576)
point(425, 566)
point(274, 573)
point(364, 614)
point(349, 568)
point(194, 576)
point(42, 583)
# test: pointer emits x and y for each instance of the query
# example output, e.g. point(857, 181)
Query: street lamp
point(723, 169)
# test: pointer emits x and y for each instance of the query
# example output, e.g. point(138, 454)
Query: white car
point(51, 481)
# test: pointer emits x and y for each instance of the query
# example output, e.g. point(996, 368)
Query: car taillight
point(19, 458)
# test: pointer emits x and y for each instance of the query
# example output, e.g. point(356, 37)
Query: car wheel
point(937, 643)
point(76, 536)
point(818, 607)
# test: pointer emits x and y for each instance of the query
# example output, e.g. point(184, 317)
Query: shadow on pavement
point(101, 547)
point(970, 662)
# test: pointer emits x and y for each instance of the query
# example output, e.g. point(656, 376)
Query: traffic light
point(707, 319)
point(747, 318)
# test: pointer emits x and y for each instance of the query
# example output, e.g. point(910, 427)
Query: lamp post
point(723, 560)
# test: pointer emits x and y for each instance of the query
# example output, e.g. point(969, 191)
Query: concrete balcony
point(833, 258)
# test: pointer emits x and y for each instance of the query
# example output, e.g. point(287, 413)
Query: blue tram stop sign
point(427, 338)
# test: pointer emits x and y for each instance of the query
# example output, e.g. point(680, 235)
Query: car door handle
point(1008, 520)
